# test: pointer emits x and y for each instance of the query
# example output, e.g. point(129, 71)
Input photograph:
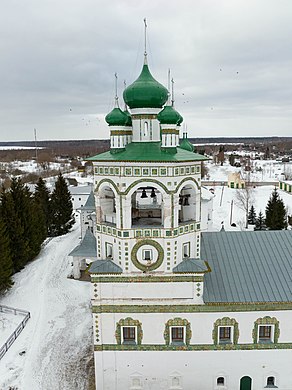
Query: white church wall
point(195, 369)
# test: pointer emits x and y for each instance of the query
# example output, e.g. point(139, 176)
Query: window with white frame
point(129, 335)
point(186, 249)
point(225, 334)
point(177, 334)
point(147, 254)
point(266, 333)
point(108, 250)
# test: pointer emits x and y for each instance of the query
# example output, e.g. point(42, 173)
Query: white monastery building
point(174, 308)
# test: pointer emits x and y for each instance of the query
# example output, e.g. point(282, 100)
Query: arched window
point(271, 381)
point(220, 381)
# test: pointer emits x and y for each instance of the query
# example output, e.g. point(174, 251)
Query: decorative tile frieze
point(192, 347)
point(207, 308)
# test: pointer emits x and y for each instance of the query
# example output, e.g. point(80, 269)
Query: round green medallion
point(146, 267)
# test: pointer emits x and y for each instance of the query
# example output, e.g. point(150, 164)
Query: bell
point(152, 195)
point(144, 195)
point(186, 201)
point(180, 201)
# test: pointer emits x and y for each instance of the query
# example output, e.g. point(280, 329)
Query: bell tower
point(148, 212)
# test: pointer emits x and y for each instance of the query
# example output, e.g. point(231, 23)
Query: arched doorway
point(245, 383)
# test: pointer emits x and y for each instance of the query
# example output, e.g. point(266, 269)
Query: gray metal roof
point(87, 247)
point(104, 267)
point(191, 266)
point(90, 203)
point(248, 266)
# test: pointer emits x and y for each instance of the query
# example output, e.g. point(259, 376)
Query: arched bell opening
point(187, 204)
point(147, 207)
point(108, 206)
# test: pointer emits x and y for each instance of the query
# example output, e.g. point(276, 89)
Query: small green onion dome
point(186, 145)
point(145, 92)
point(180, 121)
point(117, 117)
point(129, 120)
point(168, 116)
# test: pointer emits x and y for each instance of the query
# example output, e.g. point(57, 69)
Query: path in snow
point(58, 337)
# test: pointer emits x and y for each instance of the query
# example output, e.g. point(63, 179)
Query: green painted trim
point(129, 322)
point(192, 347)
point(225, 321)
point(152, 266)
point(266, 321)
point(184, 180)
point(177, 322)
point(107, 181)
point(207, 308)
point(146, 279)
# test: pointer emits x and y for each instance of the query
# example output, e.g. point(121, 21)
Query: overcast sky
point(231, 61)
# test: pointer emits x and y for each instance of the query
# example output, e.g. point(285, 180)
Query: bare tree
point(244, 199)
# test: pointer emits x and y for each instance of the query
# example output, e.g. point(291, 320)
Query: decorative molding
point(266, 321)
point(146, 279)
point(128, 322)
point(152, 266)
point(226, 321)
point(205, 308)
point(121, 132)
point(177, 322)
point(192, 347)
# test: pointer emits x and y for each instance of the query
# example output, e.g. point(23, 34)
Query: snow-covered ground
point(8, 323)
point(222, 202)
point(223, 206)
point(57, 339)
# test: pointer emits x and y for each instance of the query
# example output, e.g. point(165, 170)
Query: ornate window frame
point(226, 321)
point(267, 320)
point(179, 322)
point(129, 322)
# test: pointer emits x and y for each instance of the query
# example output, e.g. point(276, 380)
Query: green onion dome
point(117, 117)
point(186, 145)
point(180, 121)
point(145, 92)
point(129, 120)
point(168, 116)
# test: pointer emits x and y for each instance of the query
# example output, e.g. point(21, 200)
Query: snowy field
point(222, 201)
point(222, 206)
point(57, 340)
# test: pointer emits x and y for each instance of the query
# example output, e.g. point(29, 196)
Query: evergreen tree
point(42, 200)
point(252, 216)
point(276, 218)
point(6, 265)
point(260, 222)
point(61, 209)
point(19, 246)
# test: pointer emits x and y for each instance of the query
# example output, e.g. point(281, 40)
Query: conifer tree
point(19, 246)
point(42, 199)
point(276, 217)
point(6, 265)
point(252, 216)
point(260, 222)
point(61, 209)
